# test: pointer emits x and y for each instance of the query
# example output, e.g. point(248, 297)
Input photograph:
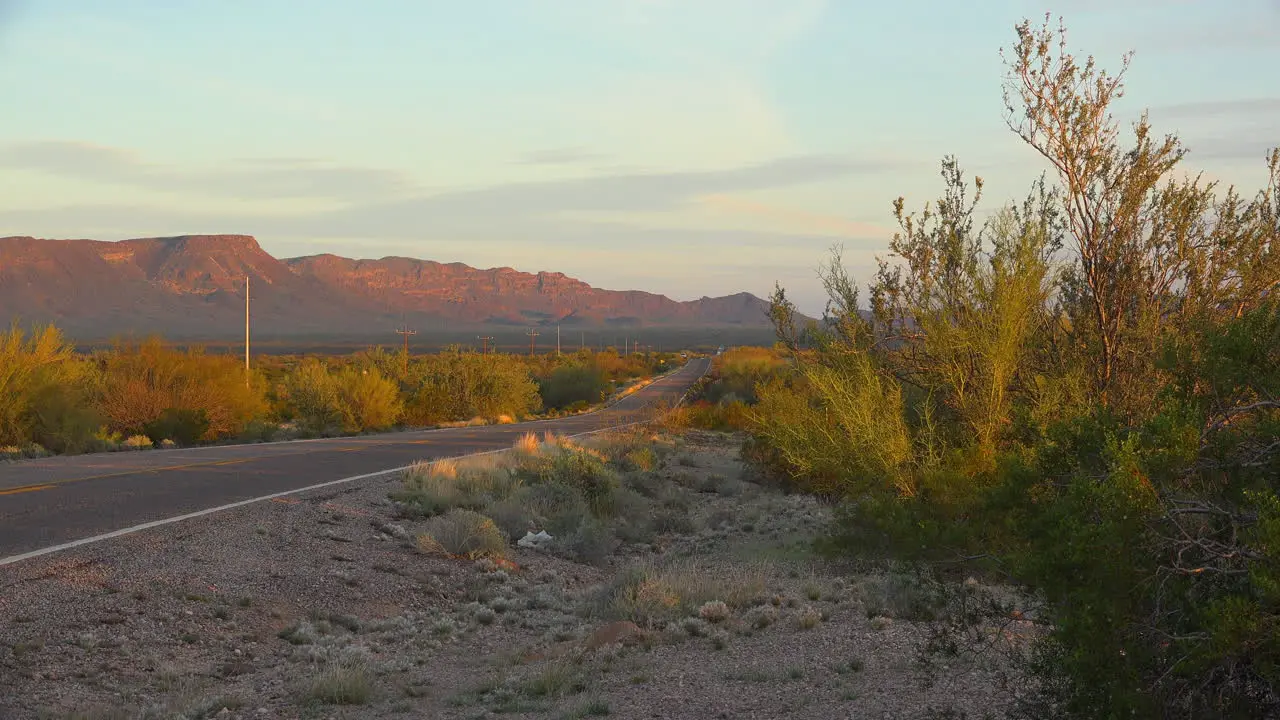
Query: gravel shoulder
point(323, 606)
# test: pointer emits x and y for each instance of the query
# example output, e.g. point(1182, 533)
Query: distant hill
point(193, 286)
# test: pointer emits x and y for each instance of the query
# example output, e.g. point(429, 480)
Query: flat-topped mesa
point(192, 284)
point(202, 264)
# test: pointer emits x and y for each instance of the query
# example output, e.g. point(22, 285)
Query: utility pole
point(246, 331)
point(582, 341)
point(406, 332)
point(557, 341)
point(484, 344)
point(533, 334)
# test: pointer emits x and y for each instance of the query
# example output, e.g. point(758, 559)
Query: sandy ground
point(322, 606)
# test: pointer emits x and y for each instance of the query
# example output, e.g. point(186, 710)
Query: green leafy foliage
point(1080, 395)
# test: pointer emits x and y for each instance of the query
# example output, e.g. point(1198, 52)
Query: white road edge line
point(229, 506)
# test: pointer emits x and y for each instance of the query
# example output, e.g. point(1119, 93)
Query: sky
point(688, 147)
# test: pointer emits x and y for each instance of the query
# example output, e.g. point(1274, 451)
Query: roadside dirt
point(321, 606)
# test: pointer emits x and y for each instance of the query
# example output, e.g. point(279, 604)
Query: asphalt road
point(53, 501)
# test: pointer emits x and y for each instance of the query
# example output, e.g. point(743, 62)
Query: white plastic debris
point(531, 540)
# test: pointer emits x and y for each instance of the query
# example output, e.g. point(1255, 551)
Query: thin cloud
point(533, 209)
point(561, 156)
point(800, 220)
point(269, 179)
point(512, 208)
point(1240, 108)
point(1243, 148)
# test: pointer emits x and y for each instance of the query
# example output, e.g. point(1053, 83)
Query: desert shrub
point(736, 372)
point(340, 683)
point(572, 386)
point(1096, 425)
point(455, 386)
point(435, 488)
point(259, 431)
point(728, 415)
point(47, 394)
point(350, 400)
point(463, 533)
point(512, 517)
point(313, 399)
point(141, 382)
point(431, 489)
point(367, 400)
point(580, 469)
point(137, 442)
point(714, 611)
point(184, 426)
point(649, 594)
point(591, 542)
point(641, 459)
point(901, 594)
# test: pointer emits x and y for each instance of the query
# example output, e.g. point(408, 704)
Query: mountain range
point(193, 286)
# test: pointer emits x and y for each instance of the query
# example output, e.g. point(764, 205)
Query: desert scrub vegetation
point(55, 400)
point(653, 594)
point(720, 400)
point(1080, 396)
point(463, 533)
point(574, 492)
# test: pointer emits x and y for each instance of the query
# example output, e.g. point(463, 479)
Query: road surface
point(54, 501)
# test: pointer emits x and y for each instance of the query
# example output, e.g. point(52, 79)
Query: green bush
point(47, 394)
point(1096, 426)
point(573, 387)
point(456, 386)
point(184, 426)
point(463, 533)
point(351, 400)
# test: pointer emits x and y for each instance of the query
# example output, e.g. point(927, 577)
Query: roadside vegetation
point(1079, 395)
point(719, 401)
point(141, 395)
point(632, 574)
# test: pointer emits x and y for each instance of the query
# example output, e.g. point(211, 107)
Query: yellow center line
point(24, 489)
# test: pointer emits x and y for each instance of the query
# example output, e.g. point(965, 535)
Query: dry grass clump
point(527, 444)
point(901, 595)
point(809, 618)
point(633, 450)
point(463, 533)
point(715, 611)
point(652, 595)
point(340, 683)
point(435, 488)
point(137, 442)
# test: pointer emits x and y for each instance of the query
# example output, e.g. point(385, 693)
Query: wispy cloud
point(531, 209)
point(1212, 109)
point(1239, 148)
point(796, 220)
point(273, 178)
point(561, 156)
point(512, 206)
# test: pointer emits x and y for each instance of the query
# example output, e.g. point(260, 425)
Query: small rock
point(530, 540)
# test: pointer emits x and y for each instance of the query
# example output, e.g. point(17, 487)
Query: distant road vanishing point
point(56, 503)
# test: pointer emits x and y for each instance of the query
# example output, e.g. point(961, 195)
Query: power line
point(484, 343)
point(246, 331)
point(406, 332)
